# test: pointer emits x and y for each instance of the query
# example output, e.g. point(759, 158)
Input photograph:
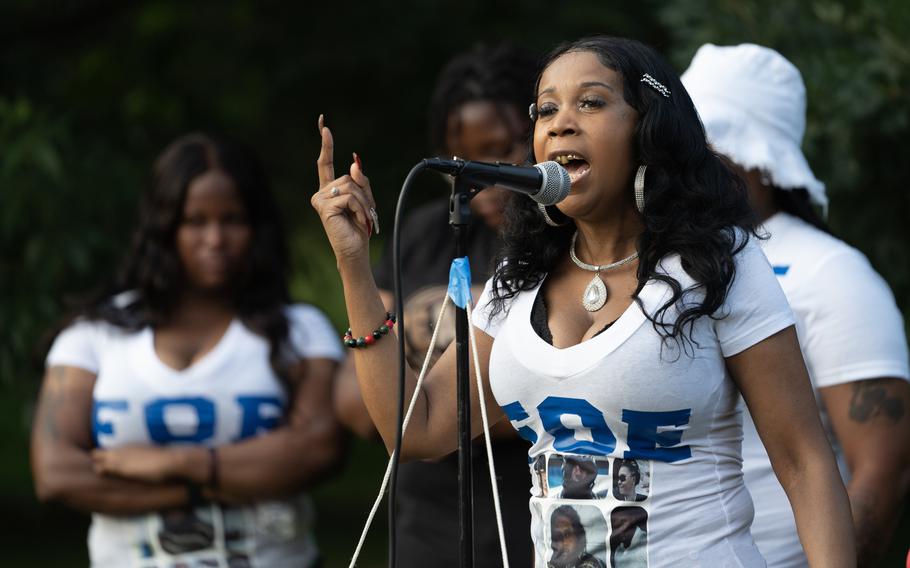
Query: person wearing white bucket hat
point(752, 103)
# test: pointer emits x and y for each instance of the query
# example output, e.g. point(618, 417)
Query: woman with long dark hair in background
point(189, 408)
point(627, 331)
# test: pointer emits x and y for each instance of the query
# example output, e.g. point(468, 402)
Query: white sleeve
point(311, 333)
point(77, 346)
point(481, 318)
point(755, 307)
point(854, 330)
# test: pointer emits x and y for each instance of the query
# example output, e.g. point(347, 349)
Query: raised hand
point(345, 205)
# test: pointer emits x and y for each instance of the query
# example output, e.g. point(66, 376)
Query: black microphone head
point(555, 184)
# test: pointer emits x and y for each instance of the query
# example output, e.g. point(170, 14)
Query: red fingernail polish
point(358, 162)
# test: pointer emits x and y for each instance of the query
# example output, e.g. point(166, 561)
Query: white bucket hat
point(752, 102)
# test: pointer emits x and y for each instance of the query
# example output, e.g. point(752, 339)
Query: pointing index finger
point(325, 164)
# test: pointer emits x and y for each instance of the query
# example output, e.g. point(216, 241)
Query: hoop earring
point(546, 217)
point(640, 188)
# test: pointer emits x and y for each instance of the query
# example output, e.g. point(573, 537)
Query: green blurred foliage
point(91, 90)
point(56, 226)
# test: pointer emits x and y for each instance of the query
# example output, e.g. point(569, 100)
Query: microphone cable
point(399, 307)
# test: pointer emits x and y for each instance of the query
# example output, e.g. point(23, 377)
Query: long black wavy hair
point(695, 206)
point(152, 274)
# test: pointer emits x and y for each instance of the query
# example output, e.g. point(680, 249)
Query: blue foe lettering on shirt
point(105, 428)
point(781, 270)
point(159, 431)
point(254, 419)
point(553, 408)
point(646, 442)
point(651, 435)
point(516, 415)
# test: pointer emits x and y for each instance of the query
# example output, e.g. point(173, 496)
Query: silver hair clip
point(656, 85)
point(532, 112)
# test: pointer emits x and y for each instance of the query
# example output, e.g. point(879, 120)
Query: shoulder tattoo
point(873, 398)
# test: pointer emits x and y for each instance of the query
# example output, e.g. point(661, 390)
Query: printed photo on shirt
point(629, 537)
point(186, 530)
point(238, 538)
point(578, 535)
point(539, 477)
point(276, 521)
point(198, 538)
point(631, 479)
point(572, 476)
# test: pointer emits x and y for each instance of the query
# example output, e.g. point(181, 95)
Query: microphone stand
point(469, 178)
point(460, 220)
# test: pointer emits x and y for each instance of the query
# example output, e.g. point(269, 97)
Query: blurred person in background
point(188, 408)
point(478, 112)
point(752, 102)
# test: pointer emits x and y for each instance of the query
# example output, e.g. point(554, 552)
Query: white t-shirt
point(231, 393)
point(663, 424)
point(849, 330)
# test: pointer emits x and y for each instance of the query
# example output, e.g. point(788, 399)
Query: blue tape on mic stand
point(460, 282)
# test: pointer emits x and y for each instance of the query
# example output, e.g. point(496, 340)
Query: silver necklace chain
point(594, 267)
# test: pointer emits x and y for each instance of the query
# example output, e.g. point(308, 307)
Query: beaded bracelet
point(371, 338)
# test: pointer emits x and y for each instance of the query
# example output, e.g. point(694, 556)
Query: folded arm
point(61, 446)
point(304, 449)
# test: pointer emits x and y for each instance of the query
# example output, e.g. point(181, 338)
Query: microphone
point(546, 183)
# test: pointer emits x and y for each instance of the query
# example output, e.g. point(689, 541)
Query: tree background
point(92, 90)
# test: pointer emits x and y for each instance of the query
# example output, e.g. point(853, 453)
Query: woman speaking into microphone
point(622, 324)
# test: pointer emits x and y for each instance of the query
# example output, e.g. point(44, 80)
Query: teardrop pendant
point(595, 295)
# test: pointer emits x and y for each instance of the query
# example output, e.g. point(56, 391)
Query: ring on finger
point(334, 192)
point(375, 217)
